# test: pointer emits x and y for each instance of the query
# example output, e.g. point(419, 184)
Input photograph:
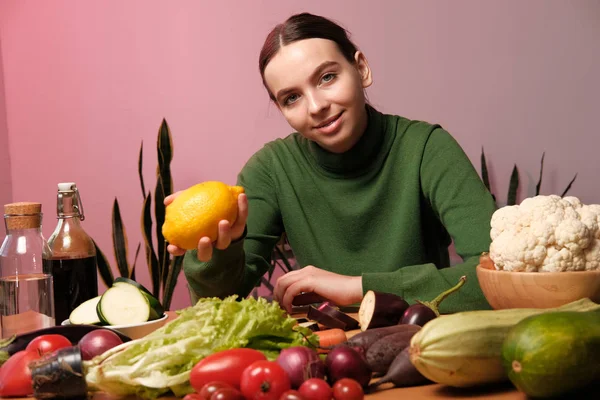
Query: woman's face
point(320, 93)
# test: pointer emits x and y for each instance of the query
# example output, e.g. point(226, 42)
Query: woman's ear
point(364, 71)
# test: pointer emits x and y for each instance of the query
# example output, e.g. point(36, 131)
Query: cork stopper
point(23, 215)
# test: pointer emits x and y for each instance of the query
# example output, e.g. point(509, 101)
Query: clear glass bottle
point(26, 286)
point(72, 258)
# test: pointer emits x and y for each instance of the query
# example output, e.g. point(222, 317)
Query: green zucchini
point(123, 305)
point(157, 310)
point(85, 313)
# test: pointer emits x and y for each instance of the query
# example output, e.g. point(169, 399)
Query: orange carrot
point(330, 337)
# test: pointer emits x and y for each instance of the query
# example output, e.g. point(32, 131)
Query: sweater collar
point(363, 154)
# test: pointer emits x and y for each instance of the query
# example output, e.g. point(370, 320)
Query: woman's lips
point(331, 126)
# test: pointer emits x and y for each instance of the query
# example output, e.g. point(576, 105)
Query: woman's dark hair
point(300, 27)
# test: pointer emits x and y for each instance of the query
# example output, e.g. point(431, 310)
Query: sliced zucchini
point(157, 308)
point(123, 305)
point(122, 279)
point(85, 313)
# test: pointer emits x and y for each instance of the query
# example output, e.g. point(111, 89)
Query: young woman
point(368, 201)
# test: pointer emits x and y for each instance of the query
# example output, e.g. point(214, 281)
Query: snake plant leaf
point(484, 174)
point(137, 253)
point(174, 270)
point(103, 267)
point(151, 258)
point(539, 184)
point(513, 187)
point(281, 257)
point(140, 168)
point(569, 186)
point(164, 187)
point(119, 240)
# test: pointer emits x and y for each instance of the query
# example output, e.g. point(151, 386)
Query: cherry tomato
point(15, 375)
point(194, 396)
point(227, 393)
point(264, 380)
point(207, 390)
point(223, 366)
point(48, 343)
point(348, 389)
point(315, 389)
point(291, 395)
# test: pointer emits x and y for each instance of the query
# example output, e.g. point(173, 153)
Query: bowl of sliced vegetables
point(126, 306)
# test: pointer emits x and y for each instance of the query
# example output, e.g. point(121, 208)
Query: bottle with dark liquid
point(73, 255)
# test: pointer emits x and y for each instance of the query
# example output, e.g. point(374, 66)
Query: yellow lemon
point(196, 213)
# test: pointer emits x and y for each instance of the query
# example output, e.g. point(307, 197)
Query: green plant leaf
point(283, 258)
point(103, 267)
point(140, 169)
point(164, 187)
point(569, 186)
point(174, 269)
point(539, 184)
point(513, 187)
point(267, 284)
point(484, 174)
point(119, 240)
point(151, 259)
point(137, 253)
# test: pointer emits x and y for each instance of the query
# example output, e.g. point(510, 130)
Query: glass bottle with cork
point(26, 286)
point(72, 257)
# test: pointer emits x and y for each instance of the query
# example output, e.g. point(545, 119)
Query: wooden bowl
point(506, 289)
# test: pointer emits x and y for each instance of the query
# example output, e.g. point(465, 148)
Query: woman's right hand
point(227, 232)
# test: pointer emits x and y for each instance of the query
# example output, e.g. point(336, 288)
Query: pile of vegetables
point(18, 352)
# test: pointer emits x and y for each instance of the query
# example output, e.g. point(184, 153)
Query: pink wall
point(5, 175)
point(86, 82)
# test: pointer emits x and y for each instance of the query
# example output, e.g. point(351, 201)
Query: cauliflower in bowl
point(546, 234)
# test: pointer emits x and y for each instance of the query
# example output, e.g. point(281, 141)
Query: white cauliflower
point(546, 234)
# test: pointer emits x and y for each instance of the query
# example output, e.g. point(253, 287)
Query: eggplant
point(366, 338)
point(401, 373)
point(382, 353)
point(72, 332)
point(332, 318)
point(379, 309)
point(424, 311)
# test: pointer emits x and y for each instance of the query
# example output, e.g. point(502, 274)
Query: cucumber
point(157, 310)
point(85, 313)
point(553, 354)
point(123, 305)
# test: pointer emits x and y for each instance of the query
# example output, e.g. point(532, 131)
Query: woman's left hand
point(340, 289)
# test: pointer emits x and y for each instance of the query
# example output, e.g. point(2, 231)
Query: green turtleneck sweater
point(387, 210)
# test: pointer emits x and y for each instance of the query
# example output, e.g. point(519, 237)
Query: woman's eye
point(328, 77)
point(290, 99)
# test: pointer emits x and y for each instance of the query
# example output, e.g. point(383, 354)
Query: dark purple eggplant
point(366, 339)
point(425, 311)
point(332, 318)
point(401, 373)
point(72, 332)
point(383, 352)
point(378, 309)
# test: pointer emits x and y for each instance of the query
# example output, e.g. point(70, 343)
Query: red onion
point(97, 342)
point(345, 362)
point(301, 363)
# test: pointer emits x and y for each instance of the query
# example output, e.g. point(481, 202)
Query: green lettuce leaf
point(161, 361)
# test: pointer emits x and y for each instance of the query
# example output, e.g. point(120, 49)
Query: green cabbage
point(161, 361)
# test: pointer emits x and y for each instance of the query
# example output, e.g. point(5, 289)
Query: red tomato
point(224, 366)
point(48, 343)
point(15, 375)
point(291, 395)
point(227, 393)
point(264, 380)
point(348, 389)
point(207, 390)
point(315, 389)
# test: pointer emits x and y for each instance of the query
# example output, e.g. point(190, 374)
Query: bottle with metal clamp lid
point(73, 255)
